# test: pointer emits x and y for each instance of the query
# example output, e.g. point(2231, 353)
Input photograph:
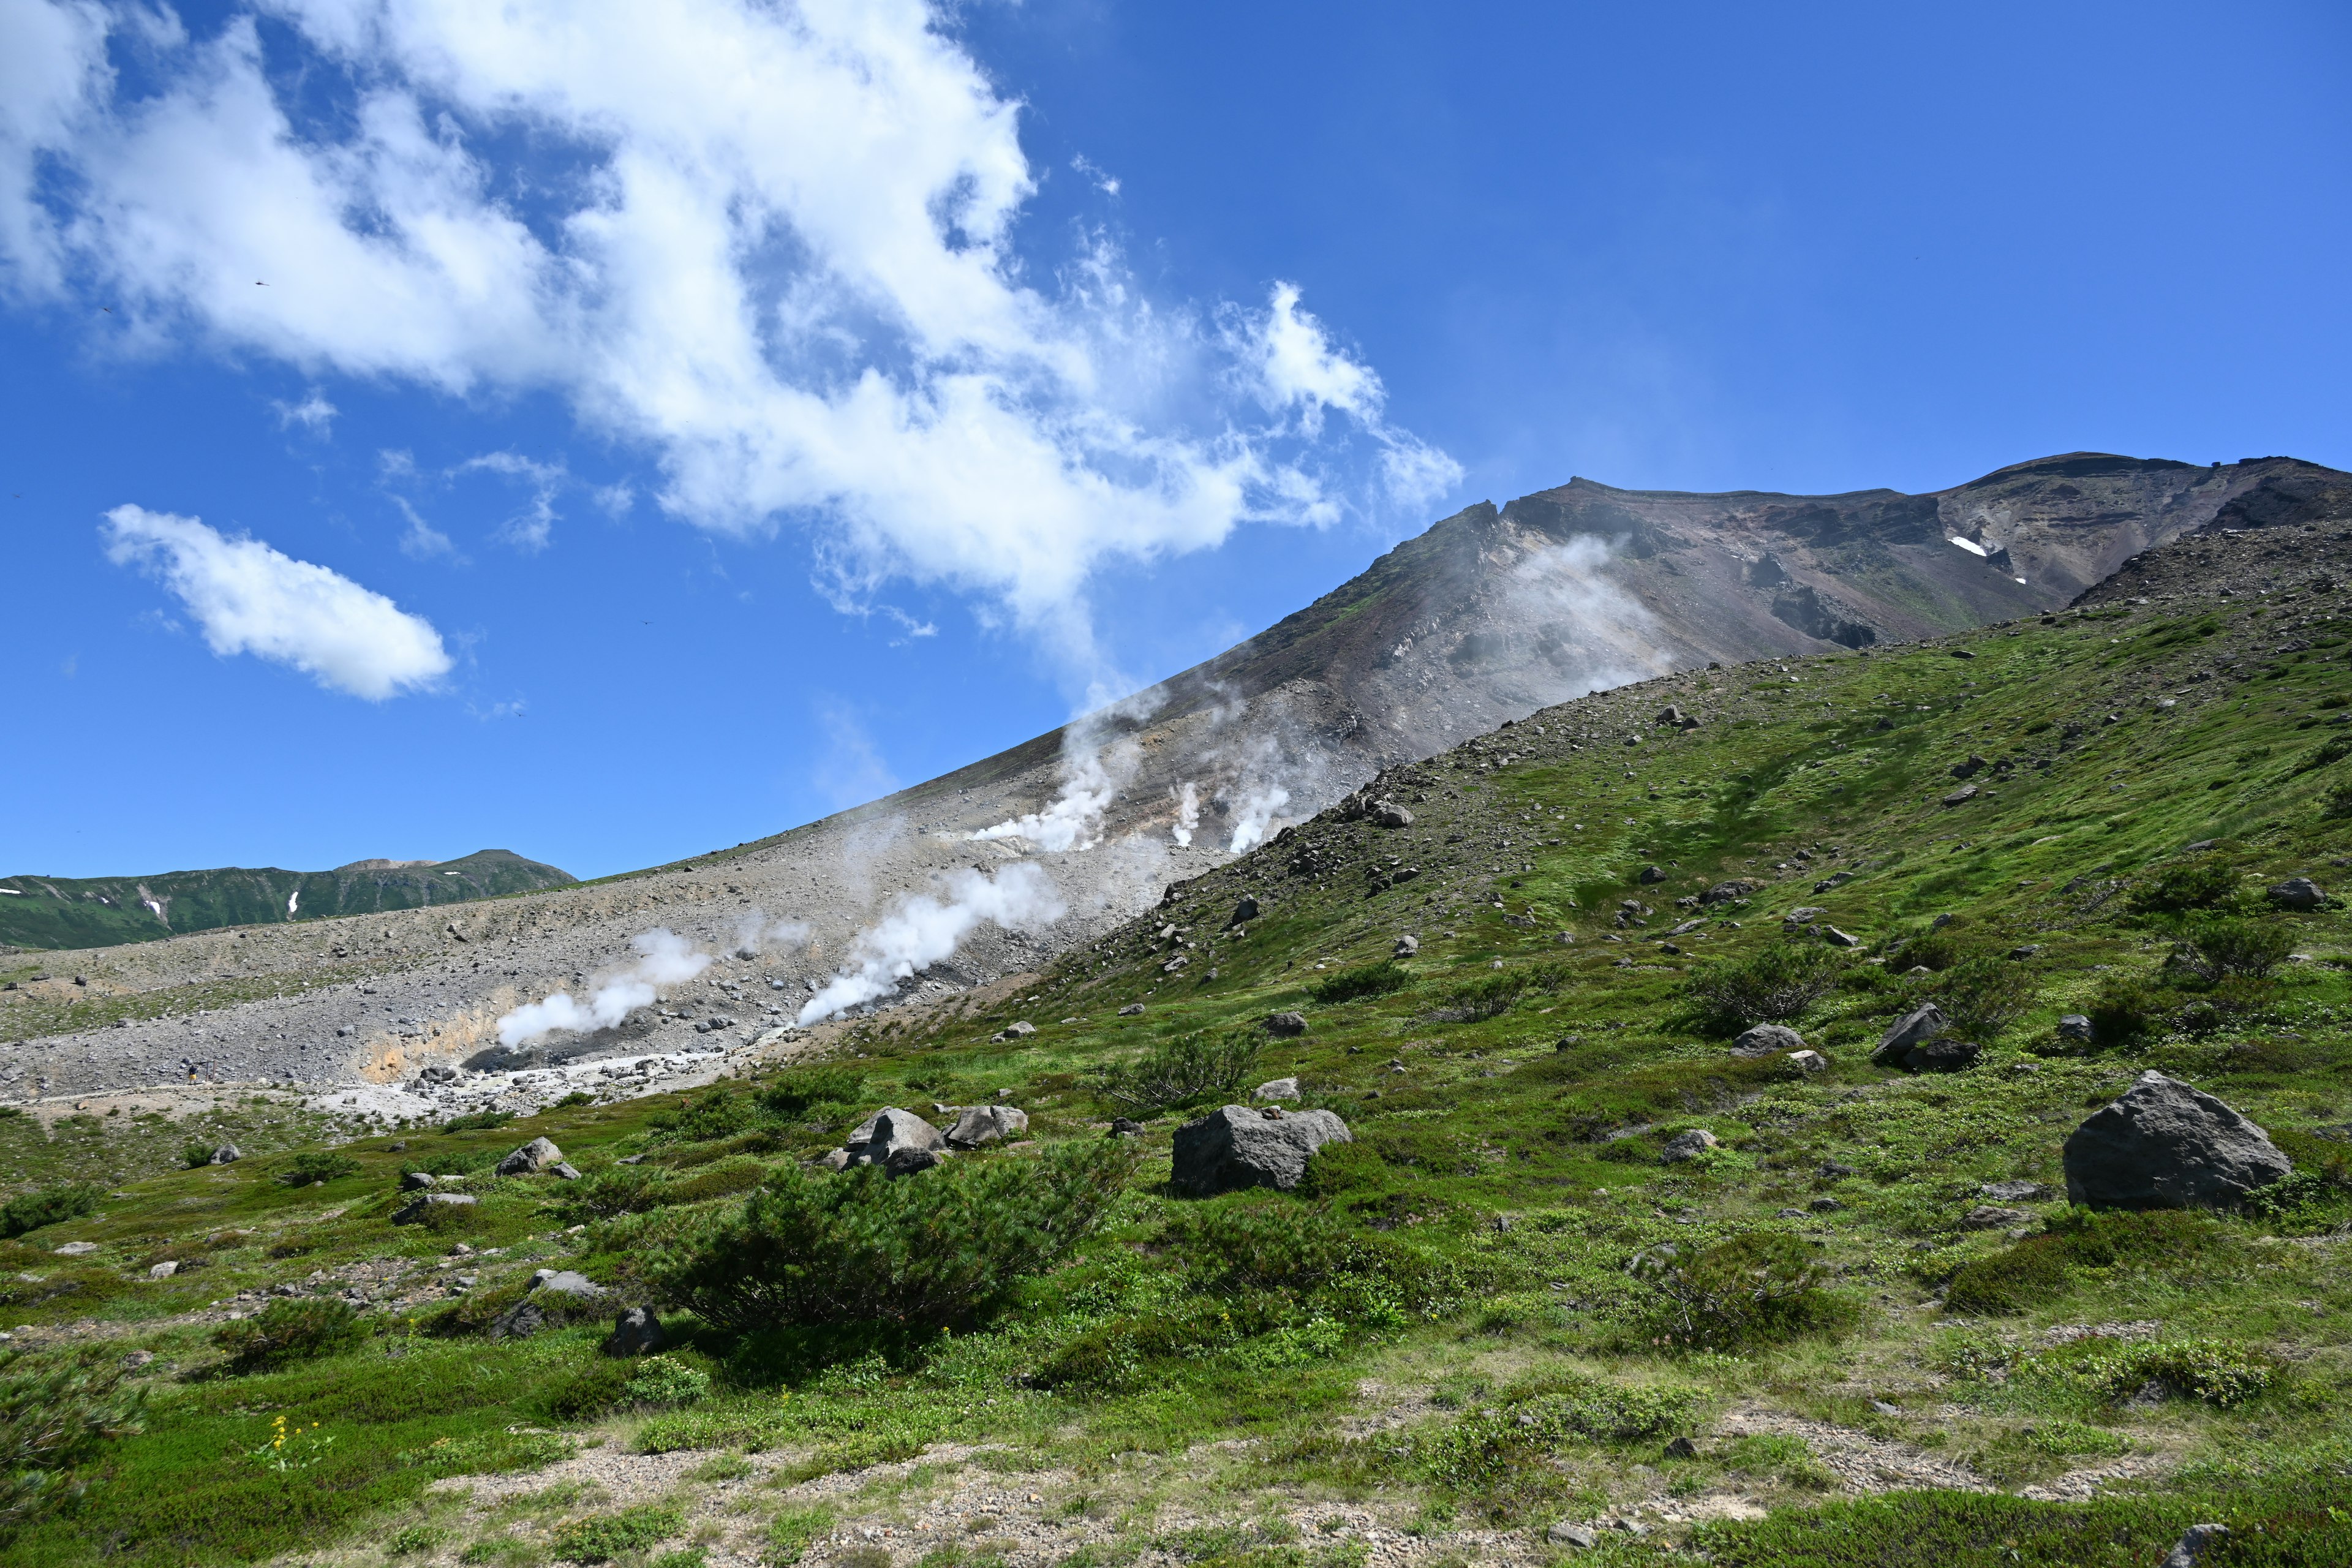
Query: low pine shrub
point(1756, 1289)
point(797, 1092)
point(477, 1121)
point(50, 1205)
point(2196, 885)
point(2035, 1271)
point(1771, 985)
point(195, 1155)
point(602, 1537)
point(2041, 1268)
point(721, 1113)
point(317, 1166)
point(2223, 948)
point(291, 1329)
point(665, 1380)
point(54, 1422)
point(1984, 996)
point(1186, 1070)
point(2125, 1010)
point(1363, 980)
point(943, 1248)
point(1490, 996)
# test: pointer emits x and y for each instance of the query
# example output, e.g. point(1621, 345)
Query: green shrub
point(2125, 1010)
point(54, 1421)
point(799, 1090)
point(577, 1096)
point(1359, 982)
point(291, 1329)
point(1495, 1447)
point(1774, 983)
point(666, 1380)
point(1935, 949)
point(794, 1530)
point(2226, 949)
point(602, 1537)
point(1489, 997)
point(1186, 1070)
point(721, 1113)
point(590, 1391)
point(943, 1247)
point(2196, 885)
point(2033, 1271)
point(51, 1206)
point(479, 1121)
point(615, 1191)
point(195, 1155)
point(2337, 803)
point(1984, 996)
point(2213, 1371)
point(412, 1539)
point(317, 1166)
point(1753, 1288)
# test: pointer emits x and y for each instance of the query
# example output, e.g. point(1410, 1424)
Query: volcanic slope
point(75, 912)
point(1859, 1324)
point(1488, 616)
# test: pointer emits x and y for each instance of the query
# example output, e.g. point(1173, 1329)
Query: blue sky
point(729, 421)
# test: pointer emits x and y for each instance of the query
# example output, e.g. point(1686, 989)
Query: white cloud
point(314, 414)
point(421, 542)
point(248, 598)
point(770, 246)
point(532, 527)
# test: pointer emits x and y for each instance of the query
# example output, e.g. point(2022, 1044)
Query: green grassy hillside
point(65, 911)
point(1500, 1309)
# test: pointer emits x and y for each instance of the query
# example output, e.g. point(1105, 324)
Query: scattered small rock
point(2075, 1028)
point(1809, 1061)
point(2014, 1192)
point(1276, 1089)
point(1285, 1023)
point(2194, 1544)
point(1991, 1216)
point(1767, 1039)
point(1130, 1010)
point(1686, 1145)
point(227, 1154)
point(1406, 946)
point(423, 1203)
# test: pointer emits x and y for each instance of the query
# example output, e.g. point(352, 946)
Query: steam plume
point(921, 930)
point(1188, 813)
point(663, 958)
point(1091, 777)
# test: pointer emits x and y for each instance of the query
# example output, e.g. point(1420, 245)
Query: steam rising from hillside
point(1092, 777)
point(663, 958)
point(1188, 814)
point(922, 929)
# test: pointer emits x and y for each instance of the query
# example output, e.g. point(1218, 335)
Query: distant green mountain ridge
point(104, 911)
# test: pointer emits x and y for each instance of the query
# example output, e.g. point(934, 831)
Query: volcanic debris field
point(1522, 1314)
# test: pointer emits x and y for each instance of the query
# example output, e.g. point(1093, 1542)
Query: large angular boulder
point(980, 1124)
point(1915, 1027)
point(887, 1132)
point(1245, 1146)
point(535, 1155)
point(2166, 1145)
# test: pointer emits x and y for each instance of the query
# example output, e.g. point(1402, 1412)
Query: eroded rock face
point(2166, 1145)
point(1243, 1146)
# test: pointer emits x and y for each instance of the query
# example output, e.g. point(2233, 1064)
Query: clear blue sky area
point(696, 532)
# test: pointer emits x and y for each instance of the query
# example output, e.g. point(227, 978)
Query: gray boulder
point(565, 1283)
point(2018, 1192)
point(1244, 909)
point(1406, 946)
point(912, 1162)
point(535, 1155)
point(1388, 814)
point(1583, 1537)
point(1276, 1089)
point(981, 1124)
point(2074, 1029)
point(415, 1182)
point(2195, 1544)
point(565, 1169)
point(2298, 893)
point(1241, 1146)
point(2166, 1145)
point(1915, 1027)
point(635, 1332)
point(1687, 1146)
point(1992, 1217)
point(1767, 1039)
point(1809, 1061)
point(423, 1204)
point(227, 1154)
point(1130, 1010)
point(886, 1132)
point(1285, 1023)
point(1943, 1054)
point(1653, 874)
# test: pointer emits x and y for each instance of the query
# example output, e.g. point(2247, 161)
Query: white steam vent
point(663, 958)
point(922, 929)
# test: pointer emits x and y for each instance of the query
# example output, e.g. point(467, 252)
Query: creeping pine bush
point(602, 1537)
point(801, 1090)
point(1772, 985)
point(666, 1380)
point(51, 1206)
point(2223, 948)
point(941, 1249)
point(1490, 1447)
point(194, 1156)
point(1361, 980)
point(2125, 1010)
point(2214, 1372)
point(1753, 1288)
point(297, 1328)
point(1984, 996)
point(54, 1421)
point(2197, 885)
point(477, 1121)
point(1203, 1065)
point(2043, 1267)
point(317, 1166)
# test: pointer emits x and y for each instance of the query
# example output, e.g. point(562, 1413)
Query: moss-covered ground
point(1460, 1330)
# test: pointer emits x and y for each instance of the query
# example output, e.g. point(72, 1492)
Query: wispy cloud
point(421, 542)
point(849, 769)
point(314, 414)
point(249, 599)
